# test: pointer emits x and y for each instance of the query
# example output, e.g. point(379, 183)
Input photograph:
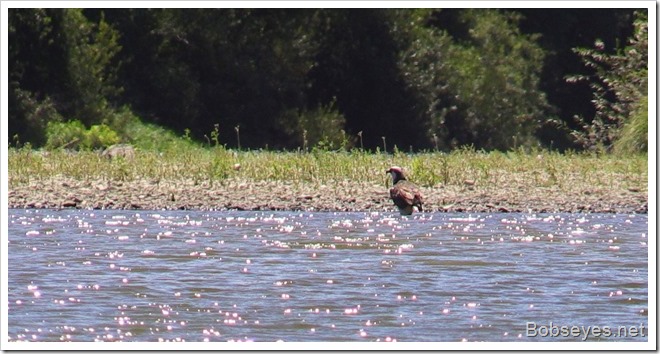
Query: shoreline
point(244, 194)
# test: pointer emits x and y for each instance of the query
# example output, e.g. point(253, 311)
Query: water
point(91, 275)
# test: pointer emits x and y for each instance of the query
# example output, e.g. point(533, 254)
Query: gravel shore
point(234, 193)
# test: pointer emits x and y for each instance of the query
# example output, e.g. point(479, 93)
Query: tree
point(357, 64)
point(620, 87)
point(91, 69)
point(195, 68)
point(33, 51)
point(481, 85)
point(419, 78)
point(61, 65)
point(561, 30)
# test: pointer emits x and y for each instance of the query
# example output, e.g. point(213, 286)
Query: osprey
point(405, 194)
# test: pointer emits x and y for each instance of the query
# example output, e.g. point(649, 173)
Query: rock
point(119, 150)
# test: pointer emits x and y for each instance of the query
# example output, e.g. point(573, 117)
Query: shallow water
point(91, 275)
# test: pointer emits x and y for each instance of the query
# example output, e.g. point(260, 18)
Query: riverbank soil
point(515, 193)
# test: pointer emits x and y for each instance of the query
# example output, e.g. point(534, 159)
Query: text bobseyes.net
point(584, 332)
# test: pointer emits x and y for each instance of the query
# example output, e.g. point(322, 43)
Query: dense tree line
point(288, 78)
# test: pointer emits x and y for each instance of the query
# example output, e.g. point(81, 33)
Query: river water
point(102, 275)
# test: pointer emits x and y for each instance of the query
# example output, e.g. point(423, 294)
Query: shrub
point(100, 136)
point(74, 135)
point(65, 135)
point(619, 84)
point(321, 128)
point(634, 135)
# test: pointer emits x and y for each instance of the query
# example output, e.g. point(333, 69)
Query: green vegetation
point(390, 79)
point(204, 174)
point(217, 164)
point(490, 95)
point(634, 135)
point(73, 134)
point(71, 61)
point(620, 94)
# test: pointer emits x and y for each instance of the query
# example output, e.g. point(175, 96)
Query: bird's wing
point(402, 192)
point(419, 196)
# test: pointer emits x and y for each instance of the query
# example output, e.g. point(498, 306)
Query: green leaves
point(482, 89)
point(73, 134)
point(408, 79)
point(620, 93)
point(90, 50)
point(63, 68)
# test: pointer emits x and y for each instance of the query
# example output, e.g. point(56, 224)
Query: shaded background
point(289, 78)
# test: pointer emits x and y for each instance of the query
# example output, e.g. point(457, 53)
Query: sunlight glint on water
point(91, 275)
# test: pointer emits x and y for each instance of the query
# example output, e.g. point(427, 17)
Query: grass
point(431, 169)
point(634, 135)
point(163, 156)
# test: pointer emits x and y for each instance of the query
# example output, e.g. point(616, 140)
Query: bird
point(405, 194)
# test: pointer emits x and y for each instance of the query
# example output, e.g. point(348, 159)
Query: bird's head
point(397, 174)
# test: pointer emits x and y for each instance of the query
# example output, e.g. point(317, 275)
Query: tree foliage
point(61, 67)
point(292, 78)
point(620, 88)
point(90, 51)
point(482, 89)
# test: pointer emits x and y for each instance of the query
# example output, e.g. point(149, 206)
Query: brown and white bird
point(405, 194)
